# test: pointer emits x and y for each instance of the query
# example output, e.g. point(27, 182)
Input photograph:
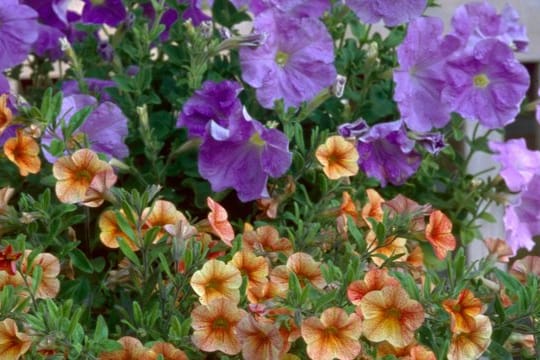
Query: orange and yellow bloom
point(375, 279)
point(338, 157)
point(463, 311)
point(472, 344)
point(23, 151)
point(260, 339)
point(217, 280)
point(132, 349)
point(13, 343)
point(6, 116)
point(439, 234)
point(110, 230)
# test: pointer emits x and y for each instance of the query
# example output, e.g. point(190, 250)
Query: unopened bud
point(339, 86)
point(119, 164)
point(206, 28)
point(251, 40)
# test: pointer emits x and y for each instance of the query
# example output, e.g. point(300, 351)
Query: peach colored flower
point(392, 247)
point(49, 285)
point(410, 352)
point(133, 349)
point(218, 219)
point(162, 213)
point(13, 344)
point(439, 234)
point(266, 238)
point(110, 230)
point(373, 209)
point(214, 326)
point(419, 352)
point(277, 286)
point(6, 194)
point(375, 279)
point(217, 280)
point(100, 186)
point(23, 151)
point(306, 269)
point(347, 208)
point(338, 157)
point(256, 268)
point(6, 116)
point(530, 264)
point(391, 315)
point(74, 175)
point(334, 335)
point(498, 249)
point(471, 345)
point(260, 339)
point(463, 311)
point(402, 205)
point(168, 351)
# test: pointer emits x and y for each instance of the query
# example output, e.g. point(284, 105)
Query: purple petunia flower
point(18, 31)
point(477, 21)
point(488, 85)
point(518, 164)
point(355, 129)
point(4, 84)
point(194, 11)
point(295, 62)
point(296, 8)
point(387, 153)
point(243, 156)
point(97, 87)
point(392, 12)
point(432, 142)
point(420, 78)
point(213, 101)
point(168, 18)
point(110, 12)
point(104, 130)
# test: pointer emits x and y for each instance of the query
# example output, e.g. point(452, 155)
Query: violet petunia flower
point(296, 8)
point(477, 21)
point(387, 153)
point(392, 12)
point(97, 87)
point(110, 12)
point(213, 101)
point(488, 85)
point(294, 63)
point(420, 78)
point(104, 130)
point(243, 157)
point(168, 18)
point(355, 129)
point(518, 164)
point(432, 142)
point(18, 32)
point(194, 12)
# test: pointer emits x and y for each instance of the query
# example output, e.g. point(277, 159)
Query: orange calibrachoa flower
point(463, 311)
point(347, 208)
point(133, 349)
point(498, 249)
point(6, 116)
point(439, 234)
point(266, 238)
point(530, 264)
point(306, 269)
point(218, 219)
point(392, 246)
point(110, 230)
point(260, 339)
point(466, 346)
point(162, 213)
point(214, 326)
point(168, 351)
point(74, 175)
point(13, 344)
point(49, 285)
point(6, 194)
point(256, 268)
point(391, 315)
point(373, 209)
point(334, 335)
point(99, 188)
point(375, 279)
point(338, 157)
point(23, 151)
point(410, 352)
point(217, 280)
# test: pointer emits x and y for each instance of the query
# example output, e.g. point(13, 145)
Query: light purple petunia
point(355, 129)
point(110, 12)
point(518, 164)
point(522, 218)
point(194, 12)
point(97, 87)
point(387, 153)
point(420, 77)
point(294, 63)
point(213, 101)
point(432, 142)
point(243, 156)
point(392, 12)
point(296, 8)
point(18, 31)
point(477, 21)
point(104, 130)
point(488, 85)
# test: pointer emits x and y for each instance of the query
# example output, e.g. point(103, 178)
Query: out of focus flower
point(266, 239)
point(49, 285)
point(23, 151)
point(295, 8)
point(392, 12)
point(338, 157)
point(374, 279)
point(132, 349)
point(217, 280)
point(463, 311)
point(334, 335)
point(194, 12)
point(13, 343)
point(410, 352)
point(214, 326)
point(391, 315)
point(295, 62)
point(260, 339)
point(498, 249)
point(218, 219)
point(6, 116)
point(18, 31)
point(97, 87)
point(110, 12)
point(8, 260)
point(6, 193)
point(168, 351)
point(110, 230)
point(472, 344)
point(488, 85)
point(521, 268)
point(439, 234)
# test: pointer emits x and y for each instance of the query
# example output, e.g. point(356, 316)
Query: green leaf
point(126, 250)
point(80, 261)
point(226, 14)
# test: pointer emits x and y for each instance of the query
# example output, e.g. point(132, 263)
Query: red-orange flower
point(132, 349)
point(23, 151)
point(6, 115)
point(391, 315)
point(13, 344)
point(466, 346)
point(8, 260)
point(439, 234)
point(375, 279)
point(266, 238)
point(168, 351)
point(110, 230)
point(334, 335)
point(218, 219)
point(338, 157)
point(217, 280)
point(463, 311)
point(260, 339)
point(214, 326)
point(74, 175)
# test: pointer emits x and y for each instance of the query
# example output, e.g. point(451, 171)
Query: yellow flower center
point(481, 81)
point(220, 323)
point(97, 2)
point(394, 313)
point(331, 330)
point(282, 58)
point(85, 175)
point(257, 140)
